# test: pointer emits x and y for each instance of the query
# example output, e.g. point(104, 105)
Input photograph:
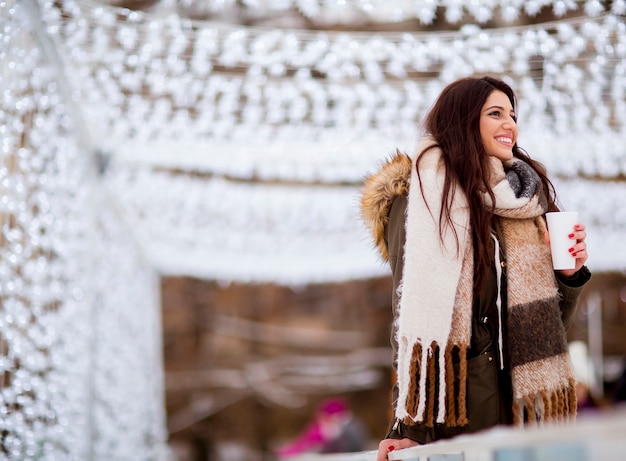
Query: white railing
point(599, 436)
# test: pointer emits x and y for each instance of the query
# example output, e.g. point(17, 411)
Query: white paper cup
point(560, 225)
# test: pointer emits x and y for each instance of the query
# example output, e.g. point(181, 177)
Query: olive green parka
point(489, 392)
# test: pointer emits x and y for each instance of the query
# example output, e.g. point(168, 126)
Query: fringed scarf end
point(437, 390)
point(546, 406)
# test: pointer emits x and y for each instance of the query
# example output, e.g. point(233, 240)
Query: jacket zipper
point(396, 428)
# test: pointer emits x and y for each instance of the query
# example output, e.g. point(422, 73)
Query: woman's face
point(498, 129)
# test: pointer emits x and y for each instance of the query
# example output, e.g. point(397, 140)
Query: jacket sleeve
point(570, 289)
point(395, 235)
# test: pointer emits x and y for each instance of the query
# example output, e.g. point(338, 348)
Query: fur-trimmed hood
point(380, 188)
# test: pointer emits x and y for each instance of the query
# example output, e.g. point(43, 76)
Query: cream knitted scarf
point(435, 308)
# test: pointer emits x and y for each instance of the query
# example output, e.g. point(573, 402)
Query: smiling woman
point(462, 225)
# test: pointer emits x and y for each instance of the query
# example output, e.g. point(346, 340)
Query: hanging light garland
point(302, 112)
point(425, 11)
point(62, 248)
point(172, 78)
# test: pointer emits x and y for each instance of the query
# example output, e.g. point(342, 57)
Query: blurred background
point(183, 271)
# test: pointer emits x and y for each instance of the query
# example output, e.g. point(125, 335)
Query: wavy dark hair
point(454, 123)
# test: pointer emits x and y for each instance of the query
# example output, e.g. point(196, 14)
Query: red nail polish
point(391, 448)
point(571, 250)
point(571, 236)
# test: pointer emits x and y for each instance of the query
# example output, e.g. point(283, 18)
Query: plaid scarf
point(435, 306)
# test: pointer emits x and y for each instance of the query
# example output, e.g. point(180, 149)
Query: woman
point(480, 315)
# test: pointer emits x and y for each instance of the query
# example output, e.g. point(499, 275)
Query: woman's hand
point(578, 249)
point(388, 445)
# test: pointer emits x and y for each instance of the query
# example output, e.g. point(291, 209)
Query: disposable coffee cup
point(561, 225)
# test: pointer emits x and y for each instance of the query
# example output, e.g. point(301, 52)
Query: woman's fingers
point(579, 234)
point(386, 446)
point(578, 249)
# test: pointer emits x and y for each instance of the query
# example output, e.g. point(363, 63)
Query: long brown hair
point(454, 123)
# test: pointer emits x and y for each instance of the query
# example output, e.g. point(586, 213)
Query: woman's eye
point(497, 113)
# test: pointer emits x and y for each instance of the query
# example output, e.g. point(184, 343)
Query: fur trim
point(389, 182)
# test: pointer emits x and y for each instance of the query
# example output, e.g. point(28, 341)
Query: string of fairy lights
point(66, 366)
point(299, 112)
point(144, 77)
point(425, 11)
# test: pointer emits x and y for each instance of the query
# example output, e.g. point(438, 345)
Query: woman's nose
point(510, 122)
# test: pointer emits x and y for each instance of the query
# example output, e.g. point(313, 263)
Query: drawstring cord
point(499, 298)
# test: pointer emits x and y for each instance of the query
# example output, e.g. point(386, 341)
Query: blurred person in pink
point(334, 429)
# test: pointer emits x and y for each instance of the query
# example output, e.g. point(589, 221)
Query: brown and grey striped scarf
point(435, 307)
